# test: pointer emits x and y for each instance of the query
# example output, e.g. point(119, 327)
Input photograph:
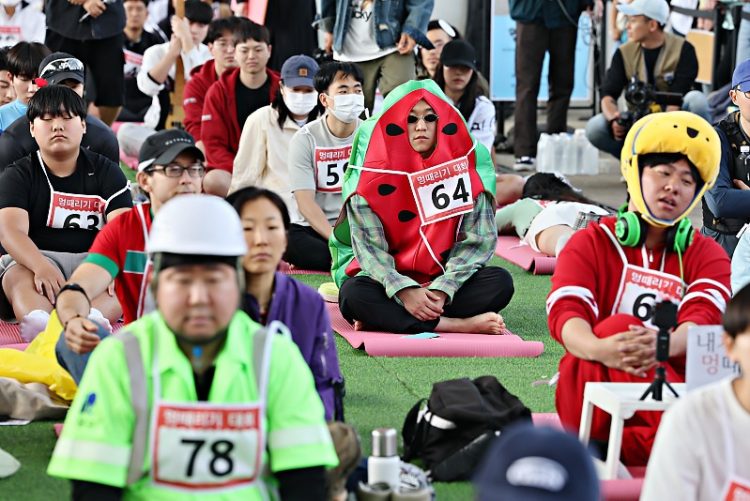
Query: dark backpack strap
point(413, 432)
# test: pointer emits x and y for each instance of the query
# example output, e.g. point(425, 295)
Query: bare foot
point(484, 323)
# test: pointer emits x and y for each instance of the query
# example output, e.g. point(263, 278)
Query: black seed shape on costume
point(386, 189)
point(450, 129)
point(692, 132)
point(393, 130)
point(406, 215)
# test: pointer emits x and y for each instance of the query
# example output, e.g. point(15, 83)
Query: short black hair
point(55, 100)
point(4, 59)
point(145, 2)
point(435, 24)
point(652, 159)
point(219, 27)
point(737, 315)
point(24, 59)
point(239, 198)
point(250, 30)
point(197, 11)
point(327, 74)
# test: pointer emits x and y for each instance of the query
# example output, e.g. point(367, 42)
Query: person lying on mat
point(545, 218)
point(410, 249)
point(231, 406)
point(711, 464)
point(170, 165)
point(271, 295)
point(612, 273)
point(53, 202)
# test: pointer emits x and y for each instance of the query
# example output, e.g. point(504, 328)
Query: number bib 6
point(330, 164)
point(641, 289)
point(442, 191)
point(68, 210)
point(205, 446)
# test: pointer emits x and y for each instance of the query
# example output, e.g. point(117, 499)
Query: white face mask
point(299, 103)
point(347, 107)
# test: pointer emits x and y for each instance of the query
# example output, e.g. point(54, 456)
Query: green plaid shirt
point(477, 237)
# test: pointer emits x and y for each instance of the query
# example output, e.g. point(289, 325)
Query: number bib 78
point(76, 211)
point(442, 191)
point(205, 446)
point(330, 164)
point(641, 289)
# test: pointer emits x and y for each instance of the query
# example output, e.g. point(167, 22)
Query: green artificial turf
point(379, 391)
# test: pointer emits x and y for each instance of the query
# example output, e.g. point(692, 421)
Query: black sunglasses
point(429, 118)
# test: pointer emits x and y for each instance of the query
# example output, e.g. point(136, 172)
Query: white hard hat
point(202, 225)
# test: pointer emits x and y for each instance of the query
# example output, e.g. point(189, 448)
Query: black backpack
point(451, 432)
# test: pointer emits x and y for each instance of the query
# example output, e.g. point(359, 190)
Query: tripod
point(656, 387)
point(665, 317)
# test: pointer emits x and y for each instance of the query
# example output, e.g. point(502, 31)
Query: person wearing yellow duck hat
point(611, 275)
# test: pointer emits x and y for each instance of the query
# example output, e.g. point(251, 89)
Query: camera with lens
point(642, 96)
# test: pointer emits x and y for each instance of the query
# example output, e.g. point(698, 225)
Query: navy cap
point(741, 76)
point(299, 70)
point(536, 464)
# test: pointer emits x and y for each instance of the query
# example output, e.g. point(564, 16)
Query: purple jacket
point(303, 311)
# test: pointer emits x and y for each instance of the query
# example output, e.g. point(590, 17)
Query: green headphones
point(631, 230)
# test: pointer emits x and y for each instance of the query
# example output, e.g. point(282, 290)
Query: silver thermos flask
point(384, 465)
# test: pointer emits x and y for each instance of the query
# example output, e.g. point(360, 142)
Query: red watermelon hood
point(388, 146)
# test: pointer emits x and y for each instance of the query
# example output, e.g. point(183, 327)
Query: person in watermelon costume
point(410, 247)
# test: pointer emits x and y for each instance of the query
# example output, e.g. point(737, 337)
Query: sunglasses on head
point(429, 118)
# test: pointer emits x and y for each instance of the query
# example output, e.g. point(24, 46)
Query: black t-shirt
point(136, 102)
point(249, 100)
point(684, 75)
point(74, 222)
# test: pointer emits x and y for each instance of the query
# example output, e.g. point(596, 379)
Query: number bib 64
point(442, 191)
point(76, 211)
point(330, 164)
point(641, 289)
point(205, 446)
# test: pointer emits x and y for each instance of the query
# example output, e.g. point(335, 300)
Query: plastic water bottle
point(569, 159)
point(543, 150)
point(384, 465)
point(590, 159)
point(553, 154)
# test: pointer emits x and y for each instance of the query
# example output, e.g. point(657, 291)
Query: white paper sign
point(706, 360)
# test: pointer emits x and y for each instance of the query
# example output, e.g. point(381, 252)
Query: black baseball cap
point(60, 66)
point(459, 53)
point(164, 146)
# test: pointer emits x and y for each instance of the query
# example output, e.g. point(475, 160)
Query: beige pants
point(386, 73)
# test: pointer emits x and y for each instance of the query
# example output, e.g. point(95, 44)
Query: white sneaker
point(524, 164)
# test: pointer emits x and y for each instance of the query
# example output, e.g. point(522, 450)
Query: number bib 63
point(206, 447)
point(442, 191)
point(641, 289)
point(330, 164)
point(76, 211)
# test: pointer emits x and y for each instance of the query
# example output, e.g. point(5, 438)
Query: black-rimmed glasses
point(176, 170)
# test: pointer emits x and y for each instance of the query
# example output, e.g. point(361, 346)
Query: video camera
point(642, 96)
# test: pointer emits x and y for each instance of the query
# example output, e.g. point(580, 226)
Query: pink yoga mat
point(517, 252)
point(550, 419)
point(289, 269)
point(388, 344)
point(9, 334)
point(58, 428)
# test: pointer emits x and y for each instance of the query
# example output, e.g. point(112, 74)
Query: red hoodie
point(220, 127)
point(194, 95)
